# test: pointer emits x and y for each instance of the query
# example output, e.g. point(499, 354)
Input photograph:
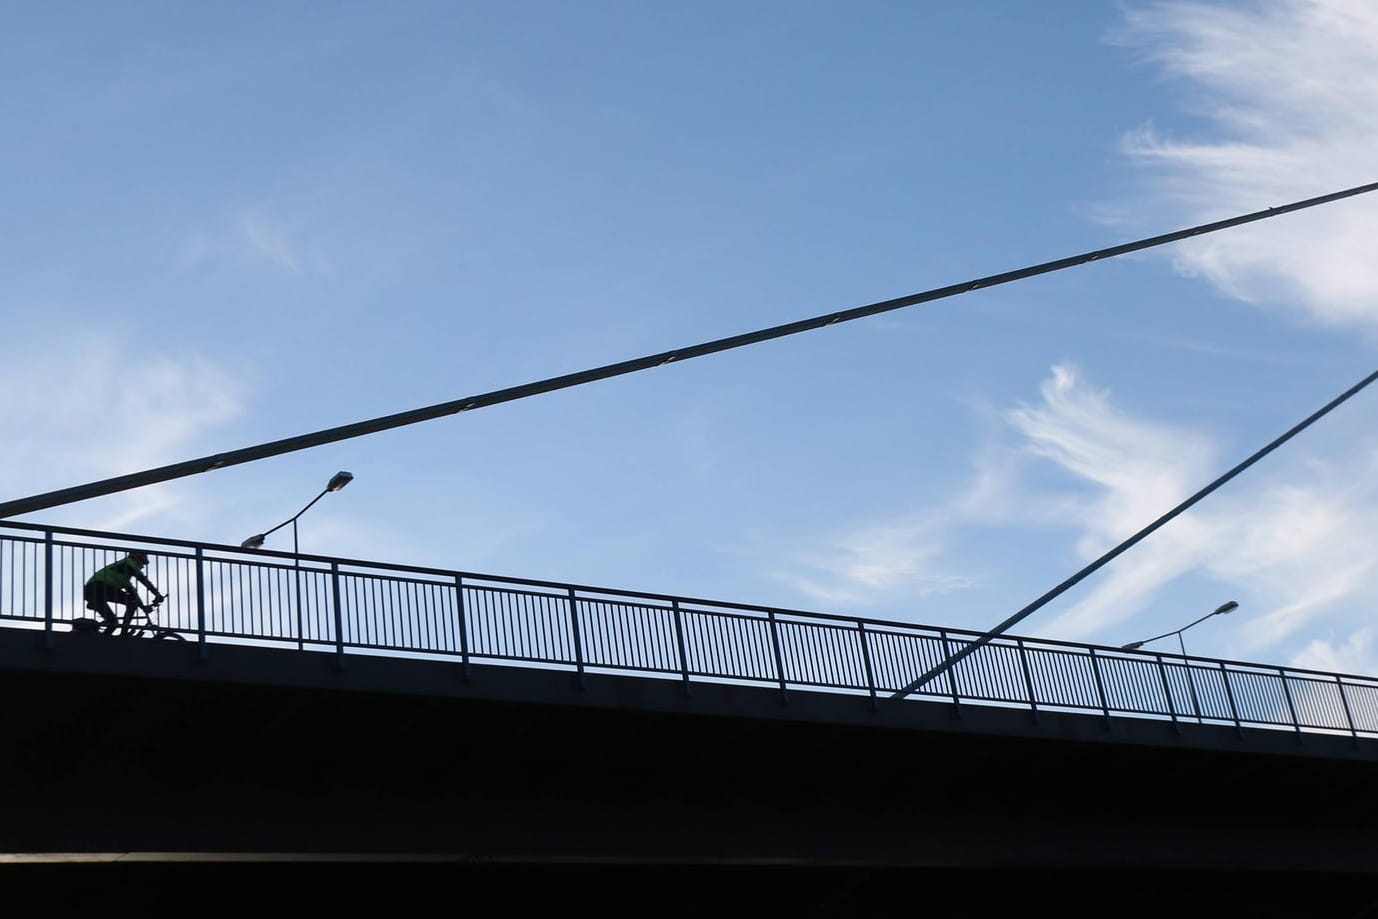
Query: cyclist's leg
point(131, 603)
point(97, 600)
point(108, 619)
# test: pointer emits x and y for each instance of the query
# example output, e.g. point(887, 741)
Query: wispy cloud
point(875, 562)
point(270, 242)
point(1284, 92)
point(1292, 545)
point(1287, 89)
point(1136, 470)
point(1296, 547)
point(1354, 654)
point(1141, 467)
point(257, 237)
point(106, 409)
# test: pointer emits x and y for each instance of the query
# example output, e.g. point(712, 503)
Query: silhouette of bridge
point(324, 707)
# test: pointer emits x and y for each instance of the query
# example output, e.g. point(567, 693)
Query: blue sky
point(230, 224)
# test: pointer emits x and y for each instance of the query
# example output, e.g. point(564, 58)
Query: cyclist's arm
point(149, 584)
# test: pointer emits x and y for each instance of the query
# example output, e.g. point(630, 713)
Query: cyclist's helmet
point(138, 558)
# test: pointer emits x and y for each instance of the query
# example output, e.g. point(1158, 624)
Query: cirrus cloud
point(1286, 91)
point(1296, 544)
point(104, 410)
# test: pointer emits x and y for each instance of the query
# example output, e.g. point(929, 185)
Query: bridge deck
point(141, 747)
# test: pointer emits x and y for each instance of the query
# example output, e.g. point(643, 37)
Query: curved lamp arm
point(1223, 608)
point(337, 481)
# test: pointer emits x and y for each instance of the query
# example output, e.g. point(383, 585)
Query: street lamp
point(1220, 610)
point(337, 481)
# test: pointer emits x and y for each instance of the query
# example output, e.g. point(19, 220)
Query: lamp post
point(1220, 610)
point(337, 481)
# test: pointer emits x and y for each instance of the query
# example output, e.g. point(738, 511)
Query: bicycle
point(131, 625)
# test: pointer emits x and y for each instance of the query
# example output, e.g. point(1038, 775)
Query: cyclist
point(115, 583)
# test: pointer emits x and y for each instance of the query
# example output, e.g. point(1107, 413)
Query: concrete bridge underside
point(134, 749)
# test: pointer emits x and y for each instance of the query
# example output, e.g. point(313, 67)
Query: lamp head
point(253, 542)
point(339, 480)
point(1132, 646)
point(1226, 608)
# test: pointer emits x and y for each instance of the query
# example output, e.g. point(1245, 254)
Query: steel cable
point(400, 419)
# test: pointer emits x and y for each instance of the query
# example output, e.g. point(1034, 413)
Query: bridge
point(312, 707)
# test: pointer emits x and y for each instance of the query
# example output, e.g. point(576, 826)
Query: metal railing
point(220, 593)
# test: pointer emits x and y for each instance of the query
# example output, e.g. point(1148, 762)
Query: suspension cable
point(1057, 591)
point(400, 419)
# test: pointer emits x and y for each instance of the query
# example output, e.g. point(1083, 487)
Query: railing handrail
point(249, 557)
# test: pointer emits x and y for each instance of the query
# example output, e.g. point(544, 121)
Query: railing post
point(339, 615)
point(296, 597)
point(1349, 717)
point(779, 659)
point(201, 649)
point(463, 626)
point(48, 590)
point(951, 675)
point(1167, 695)
point(1028, 680)
point(1191, 688)
point(679, 640)
point(1291, 709)
point(1100, 688)
point(578, 639)
point(866, 659)
point(1229, 695)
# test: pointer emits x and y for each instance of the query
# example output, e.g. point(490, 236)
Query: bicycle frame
point(143, 624)
point(138, 624)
